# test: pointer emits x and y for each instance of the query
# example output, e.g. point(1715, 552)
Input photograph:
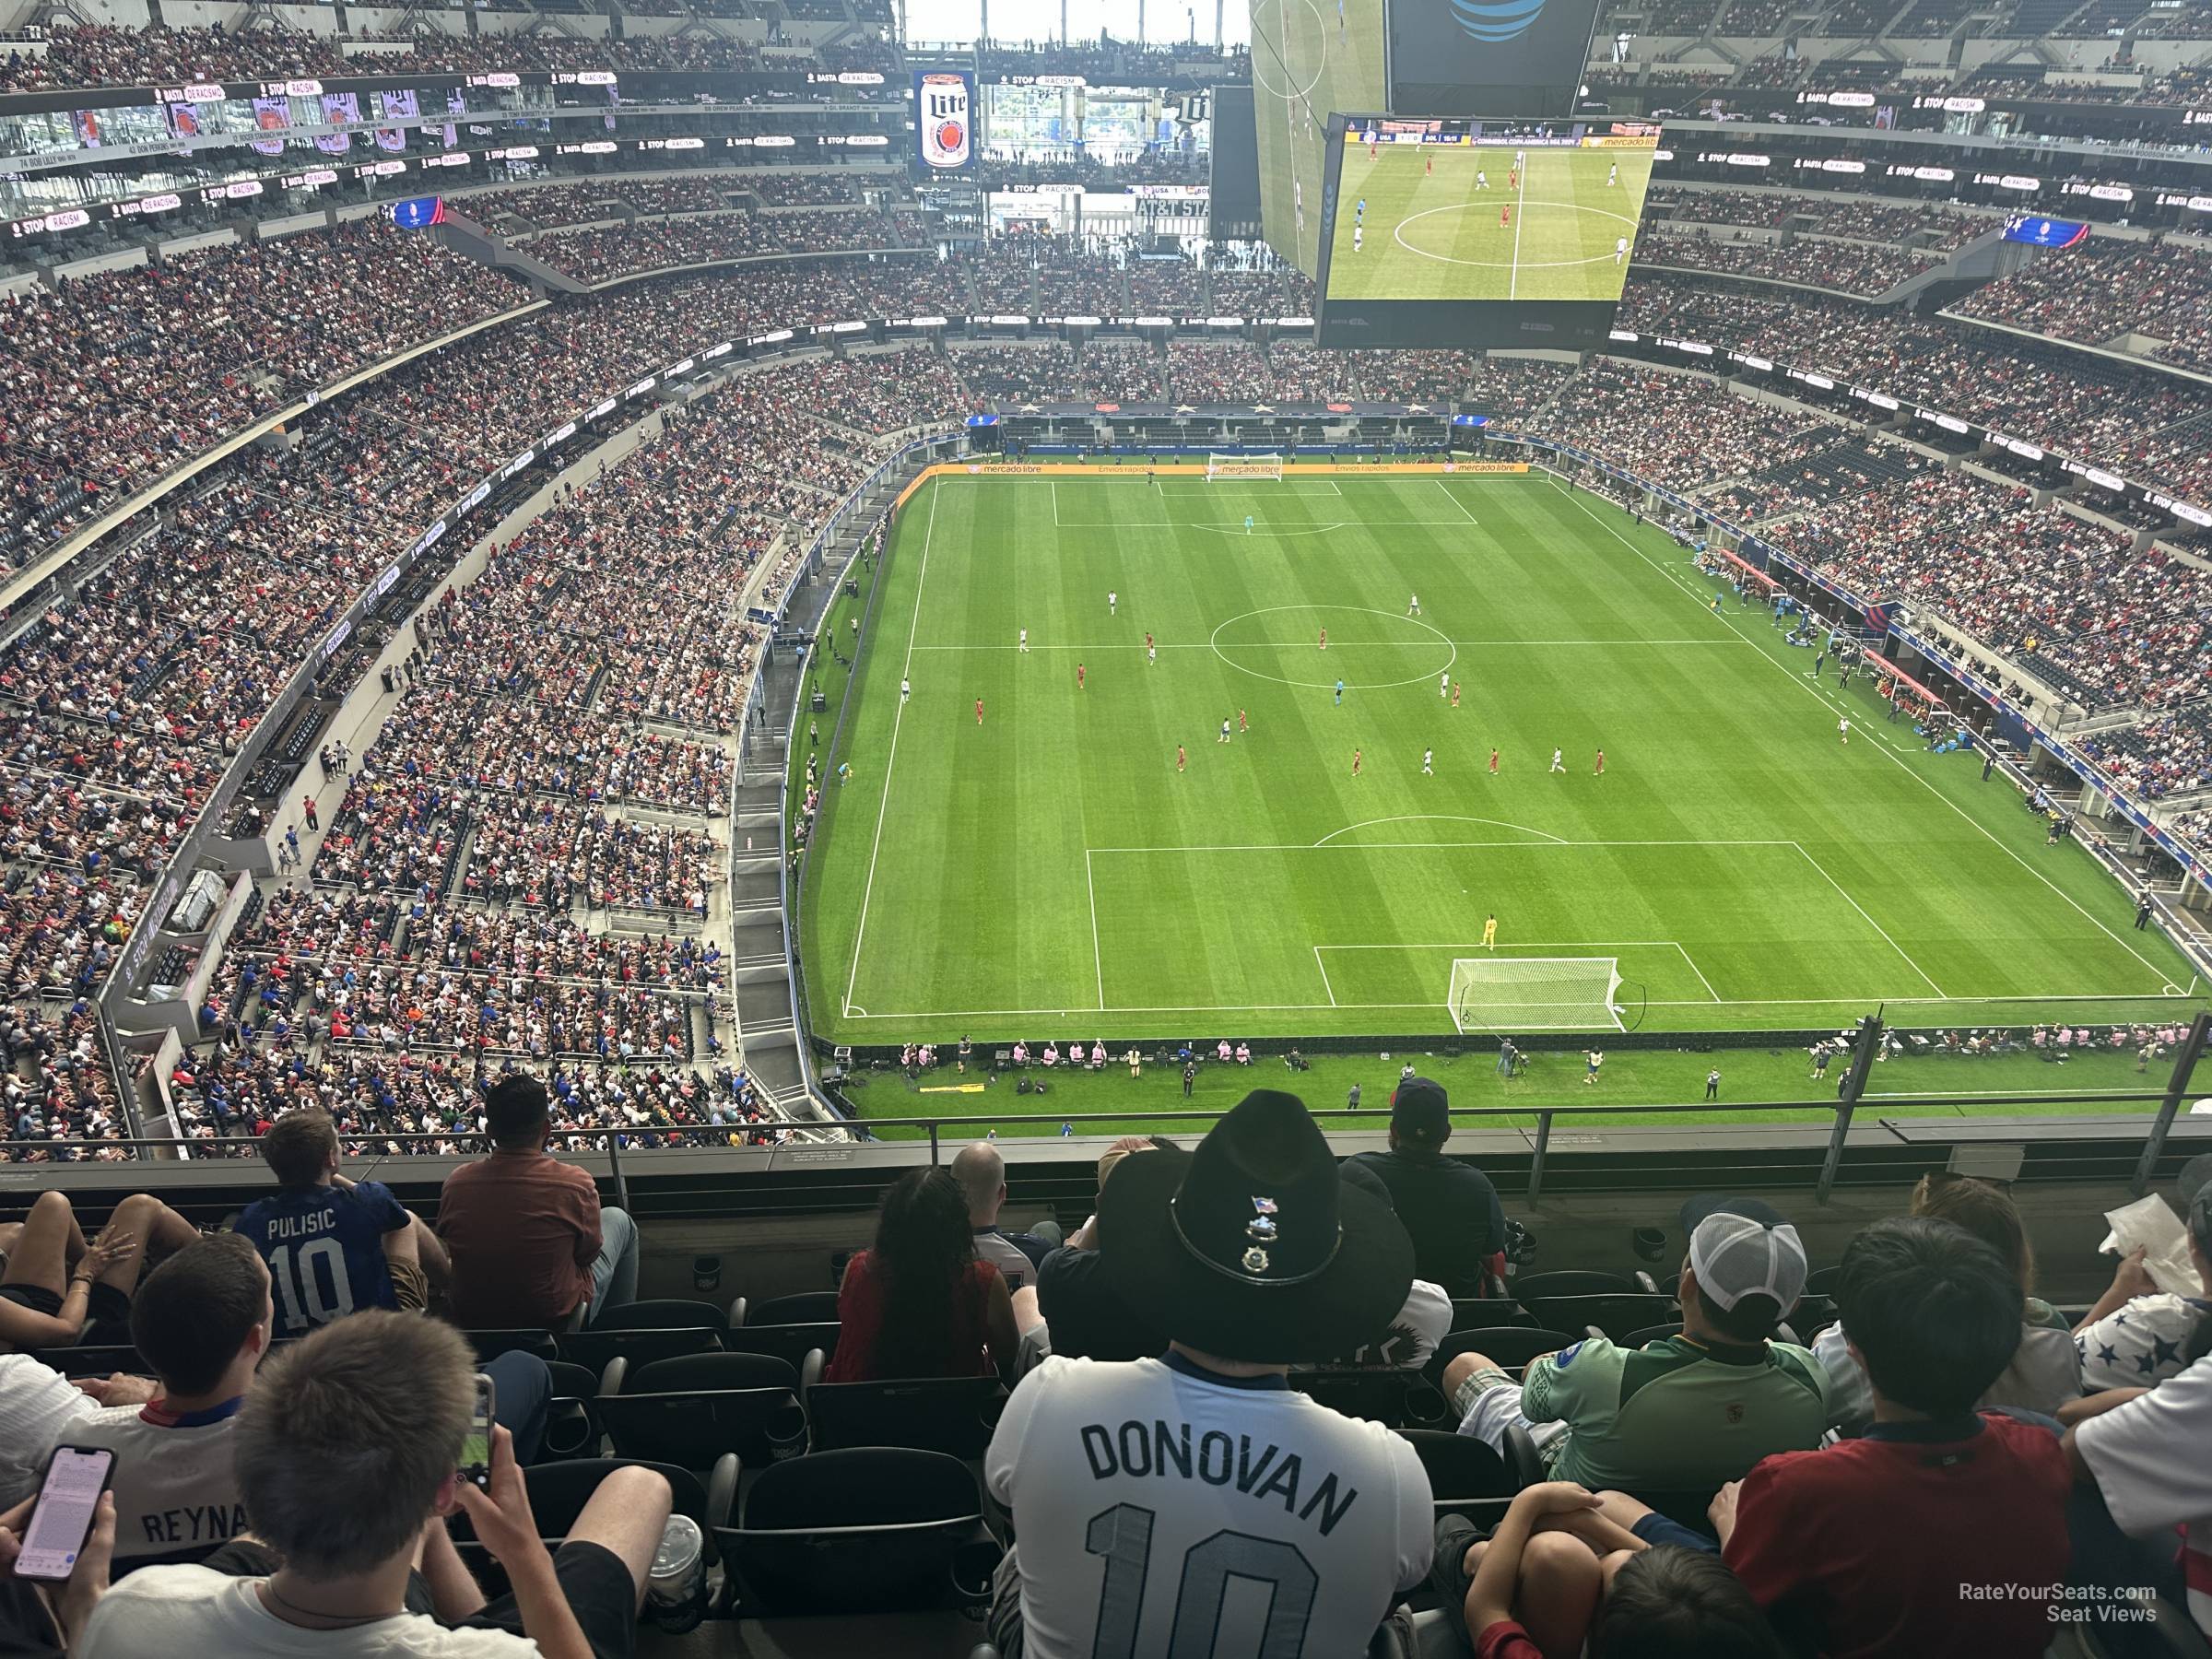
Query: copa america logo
point(1495, 21)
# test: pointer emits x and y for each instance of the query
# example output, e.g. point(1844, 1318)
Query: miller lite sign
point(944, 111)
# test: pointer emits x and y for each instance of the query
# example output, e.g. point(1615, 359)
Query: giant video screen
point(1309, 57)
point(1477, 232)
point(1507, 57)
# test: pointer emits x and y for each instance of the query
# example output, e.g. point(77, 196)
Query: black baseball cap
point(1421, 1108)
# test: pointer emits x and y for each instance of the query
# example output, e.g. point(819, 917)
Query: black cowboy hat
point(1250, 1248)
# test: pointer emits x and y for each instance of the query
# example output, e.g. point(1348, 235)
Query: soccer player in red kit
point(1493, 764)
point(1324, 639)
point(1242, 725)
point(979, 710)
point(1182, 759)
point(1355, 754)
point(1078, 677)
point(1505, 215)
point(1455, 694)
point(1601, 765)
point(1513, 178)
point(1148, 639)
point(1431, 169)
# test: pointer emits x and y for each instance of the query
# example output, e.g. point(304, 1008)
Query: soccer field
point(1049, 872)
point(1435, 229)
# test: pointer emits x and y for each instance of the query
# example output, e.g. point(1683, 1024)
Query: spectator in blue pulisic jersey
point(334, 1246)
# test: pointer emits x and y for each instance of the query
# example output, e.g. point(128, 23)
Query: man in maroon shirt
point(529, 1241)
point(1938, 1531)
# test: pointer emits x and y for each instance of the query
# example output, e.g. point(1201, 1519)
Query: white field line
point(1899, 761)
point(898, 718)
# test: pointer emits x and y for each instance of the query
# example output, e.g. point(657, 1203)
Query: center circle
point(1320, 27)
point(1398, 235)
point(1270, 642)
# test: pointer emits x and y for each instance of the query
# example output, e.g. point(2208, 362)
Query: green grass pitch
point(1433, 229)
point(1050, 873)
point(1307, 60)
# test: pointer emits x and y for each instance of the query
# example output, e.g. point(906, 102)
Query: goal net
point(1505, 995)
point(1219, 468)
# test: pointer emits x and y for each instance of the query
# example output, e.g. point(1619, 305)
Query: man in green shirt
point(1688, 1413)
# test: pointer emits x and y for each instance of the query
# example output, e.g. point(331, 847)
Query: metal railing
point(1548, 1117)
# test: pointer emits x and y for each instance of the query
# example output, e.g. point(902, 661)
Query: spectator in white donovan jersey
point(1195, 1503)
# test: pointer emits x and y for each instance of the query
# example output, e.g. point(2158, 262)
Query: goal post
point(1225, 469)
point(1505, 995)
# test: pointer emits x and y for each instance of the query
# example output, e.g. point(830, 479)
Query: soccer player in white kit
point(1025, 639)
point(1482, 179)
point(1359, 235)
point(1620, 249)
point(1113, 601)
point(1613, 177)
point(1443, 683)
point(1412, 605)
point(1557, 764)
point(1428, 763)
point(1844, 729)
point(905, 690)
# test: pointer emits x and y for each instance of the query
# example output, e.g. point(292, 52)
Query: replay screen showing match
point(1476, 232)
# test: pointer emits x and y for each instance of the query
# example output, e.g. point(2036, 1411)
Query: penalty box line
point(1324, 845)
point(1888, 752)
point(1512, 952)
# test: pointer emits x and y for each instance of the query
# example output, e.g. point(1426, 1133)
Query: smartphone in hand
point(62, 1518)
point(476, 1446)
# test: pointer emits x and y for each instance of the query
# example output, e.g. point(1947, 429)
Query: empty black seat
point(952, 1415)
point(664, 1314)
point(1396, 1399)
point(806, 1307)
point(1615, 1313)
point(789, 1342)
point(864, 1530)
point(1485, 1312)
point(692, 1408)
point(594, 1347)
point(491, 1344)
point(1569, 1281)
point(1466, 1475)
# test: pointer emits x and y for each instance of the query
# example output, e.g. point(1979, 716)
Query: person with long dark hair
point(918, 1303)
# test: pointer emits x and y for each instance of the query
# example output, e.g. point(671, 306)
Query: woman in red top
point(919, 1304)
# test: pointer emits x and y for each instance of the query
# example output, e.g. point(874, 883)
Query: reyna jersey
point(1164, 1511)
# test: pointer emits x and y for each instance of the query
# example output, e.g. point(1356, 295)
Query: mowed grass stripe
point(987, 884)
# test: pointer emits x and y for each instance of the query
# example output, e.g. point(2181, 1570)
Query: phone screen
point(476, 1446)
point(61, 1519)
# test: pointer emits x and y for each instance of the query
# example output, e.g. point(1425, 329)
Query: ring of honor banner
point(944, 121)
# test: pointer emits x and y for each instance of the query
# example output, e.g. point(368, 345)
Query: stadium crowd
point(1914, 1452)
point(1849, 267)
point(180, 370)
point(2107, 288)
point(607, 253)
point(113, 55)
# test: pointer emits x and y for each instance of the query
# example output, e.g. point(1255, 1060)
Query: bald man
point(982, 1173)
